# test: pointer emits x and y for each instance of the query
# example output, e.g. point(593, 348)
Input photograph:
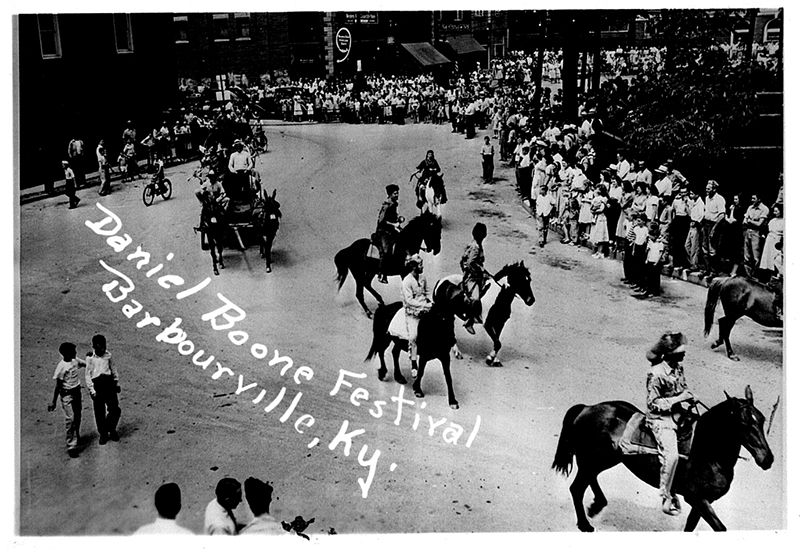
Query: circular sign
point(343, 40)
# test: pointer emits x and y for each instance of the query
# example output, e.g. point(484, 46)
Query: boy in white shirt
point(68, 387)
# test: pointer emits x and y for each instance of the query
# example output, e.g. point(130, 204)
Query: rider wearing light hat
point(416, 302)
point(666, 390)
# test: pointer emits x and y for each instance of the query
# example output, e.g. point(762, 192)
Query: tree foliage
point(703, 102)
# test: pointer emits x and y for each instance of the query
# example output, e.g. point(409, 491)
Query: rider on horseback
point(388, 228)
point(431, 174)
point(666, 390)
point(476, 278)
point(416, 302)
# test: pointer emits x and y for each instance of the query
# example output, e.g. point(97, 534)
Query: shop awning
point(464, 43)
point(425, 54)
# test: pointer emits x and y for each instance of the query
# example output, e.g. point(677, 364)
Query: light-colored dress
point(600, 227)
point(774, 236)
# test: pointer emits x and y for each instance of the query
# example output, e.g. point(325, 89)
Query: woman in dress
point(599, 236)
point(775, 235)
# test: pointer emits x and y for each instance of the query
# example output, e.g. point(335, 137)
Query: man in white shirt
point(754, 220)
point(697, 212)
point(240, 165)
point(416, 302)
point(544, 209)
point(664, 183)
point(219, 518)
point(168, 505)
point(712, 222)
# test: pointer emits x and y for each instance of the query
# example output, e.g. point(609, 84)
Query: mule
point(212, 230)
point(449, 292)
point(354, 260)
point(435, 337)
point(591, 435)
point(740, 297)
point(268, 220)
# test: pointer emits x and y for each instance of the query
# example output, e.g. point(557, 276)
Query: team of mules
point(264, 217)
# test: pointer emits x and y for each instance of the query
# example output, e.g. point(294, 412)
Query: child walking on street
point(69, 187)
point(103, 384)
point(68, 387)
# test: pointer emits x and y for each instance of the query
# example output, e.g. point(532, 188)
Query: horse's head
point(751, 428)
point(432, 232)
point(272, 206)
point(519, 280)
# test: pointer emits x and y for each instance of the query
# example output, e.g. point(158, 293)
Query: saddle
point(638, 439)
point(374, 248)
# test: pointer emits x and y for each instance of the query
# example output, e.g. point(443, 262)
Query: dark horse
point(449, 292)
point(268, 220)
point(740, 297)
point(353, 259)
point(435, 337)
point(591, 434)
point(212, 229)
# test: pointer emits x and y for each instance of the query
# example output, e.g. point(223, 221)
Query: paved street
point(583, 341)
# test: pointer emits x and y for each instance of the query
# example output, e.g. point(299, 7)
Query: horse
point(212, 229)
point(268, 220)
point(430, 194)
point(591, 434)
point(740, 297)
point(353, 259)
point(435, 337)
point(449, 291)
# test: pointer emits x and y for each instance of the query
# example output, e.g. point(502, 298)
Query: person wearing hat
point(69, 185)
point(240, 164)
point(416, 302)
point(388, 228)
point(697, 210)
point(212, 189)
point(475, 276)
point(666, 391)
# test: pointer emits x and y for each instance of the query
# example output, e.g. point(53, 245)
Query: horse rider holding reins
point(666, 392)
point(416, 302)
point(430, 173)
point(388, 228)
point(212, 189)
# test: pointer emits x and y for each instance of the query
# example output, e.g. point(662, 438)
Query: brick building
point(85, 75)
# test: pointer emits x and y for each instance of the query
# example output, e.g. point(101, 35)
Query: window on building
point(122, 32)
point(242, 26)
point(459, 16)
point(181, 25)
point(221, 29)
point(49, 37)
point(479, 13)
point(772, 31)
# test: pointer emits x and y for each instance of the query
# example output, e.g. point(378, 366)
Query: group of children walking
point(102, 382)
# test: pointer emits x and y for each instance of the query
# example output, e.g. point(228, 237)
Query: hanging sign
point(343, 43)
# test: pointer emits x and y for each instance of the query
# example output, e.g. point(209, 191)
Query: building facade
point(83, 76)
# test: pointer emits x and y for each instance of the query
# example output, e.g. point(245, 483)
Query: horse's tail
point(380, 326)
point(340, 260)
point(711, 303)
point(562, 462)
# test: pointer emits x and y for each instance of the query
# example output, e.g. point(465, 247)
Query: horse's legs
point(600, 500)
point(219, 253)
point(360, 297)
point(692, 520)
point(267, 253)
point(368, 285)
point(456, 352)
point(705, 510)
point(398, 376)
point(451, 396)
point(494, 333)
point(418, 381)
point(211, 245)
point(725, 335)
point(578, 489)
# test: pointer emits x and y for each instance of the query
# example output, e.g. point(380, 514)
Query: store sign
point(366, 18)
point(454, 26)
point(343, 42)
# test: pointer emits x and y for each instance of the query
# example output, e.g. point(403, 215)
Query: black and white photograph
point(336, 275)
